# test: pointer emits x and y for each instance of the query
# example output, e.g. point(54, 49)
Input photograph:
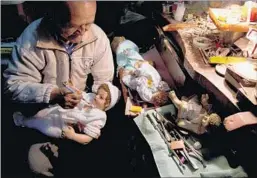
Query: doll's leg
point(144, 92)
point(47, 126)
point(173, 97)
point(129, 81)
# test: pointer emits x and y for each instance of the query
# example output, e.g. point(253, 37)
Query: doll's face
point(100, 100)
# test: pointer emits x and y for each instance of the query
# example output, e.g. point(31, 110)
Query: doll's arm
point(69, 133)
point(205, 102)
point(175, 100)
point(82, 138)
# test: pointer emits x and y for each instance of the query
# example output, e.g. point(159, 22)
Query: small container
point(179, 13)
point(166, 8)
point(253, 17)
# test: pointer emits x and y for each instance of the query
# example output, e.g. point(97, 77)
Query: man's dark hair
point(57, 15)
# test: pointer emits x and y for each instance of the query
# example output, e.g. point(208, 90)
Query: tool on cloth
point(185, 153)
point(197, 154)
point(171, 152)
point(165, 132)
point(186, 142)
point(178, 144)
point(174, 133)
point(188, 158)
point(175, 144)
point(177, 136)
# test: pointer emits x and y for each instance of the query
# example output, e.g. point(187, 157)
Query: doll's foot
point(18, 119)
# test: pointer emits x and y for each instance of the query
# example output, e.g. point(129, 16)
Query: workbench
point(206, 75)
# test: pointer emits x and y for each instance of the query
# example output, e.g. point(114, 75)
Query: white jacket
point(39, 63)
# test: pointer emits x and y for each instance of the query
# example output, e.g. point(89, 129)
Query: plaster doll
point(88, 117)
point(138, 74)
point(193, 116)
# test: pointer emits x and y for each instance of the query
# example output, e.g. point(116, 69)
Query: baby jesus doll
point(87, 118)
point(138, 74)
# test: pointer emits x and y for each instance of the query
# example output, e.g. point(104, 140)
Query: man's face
point(82, 16)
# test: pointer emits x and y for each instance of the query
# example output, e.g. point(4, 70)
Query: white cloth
point(51, 121)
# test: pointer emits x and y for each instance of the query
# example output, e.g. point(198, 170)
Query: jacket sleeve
point(103, 67)
point(23, 77)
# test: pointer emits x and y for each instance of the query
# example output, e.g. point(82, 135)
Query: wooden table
point(205, 74)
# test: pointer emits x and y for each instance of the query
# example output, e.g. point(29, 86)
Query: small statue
point(193, 116)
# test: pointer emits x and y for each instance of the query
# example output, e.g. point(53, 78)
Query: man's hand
point(68, 132)
point(65, 98)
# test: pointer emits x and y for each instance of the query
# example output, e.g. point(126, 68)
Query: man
point(64, 45)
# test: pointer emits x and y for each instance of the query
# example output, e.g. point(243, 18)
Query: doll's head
point(159, 98)
point(106, 97)
point(115, 42)
point(212, 119)
point(103, 97)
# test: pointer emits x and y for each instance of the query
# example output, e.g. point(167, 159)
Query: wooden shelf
point(239, 27)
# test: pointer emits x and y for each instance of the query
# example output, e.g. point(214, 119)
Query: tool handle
point(155, 124)
point(192, 163)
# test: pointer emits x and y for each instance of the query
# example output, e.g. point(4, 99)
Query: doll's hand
point(68, 132)
point(204, 99)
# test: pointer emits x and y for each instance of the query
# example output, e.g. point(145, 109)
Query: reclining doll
point(138, 74)
point(88, 117)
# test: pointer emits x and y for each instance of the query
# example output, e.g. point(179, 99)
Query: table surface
point(205, 74)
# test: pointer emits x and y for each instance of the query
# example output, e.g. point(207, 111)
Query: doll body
point(193, 116)
point(138, 74)
point(88, 116)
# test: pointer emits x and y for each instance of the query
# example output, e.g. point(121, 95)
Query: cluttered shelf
point(200, 70)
